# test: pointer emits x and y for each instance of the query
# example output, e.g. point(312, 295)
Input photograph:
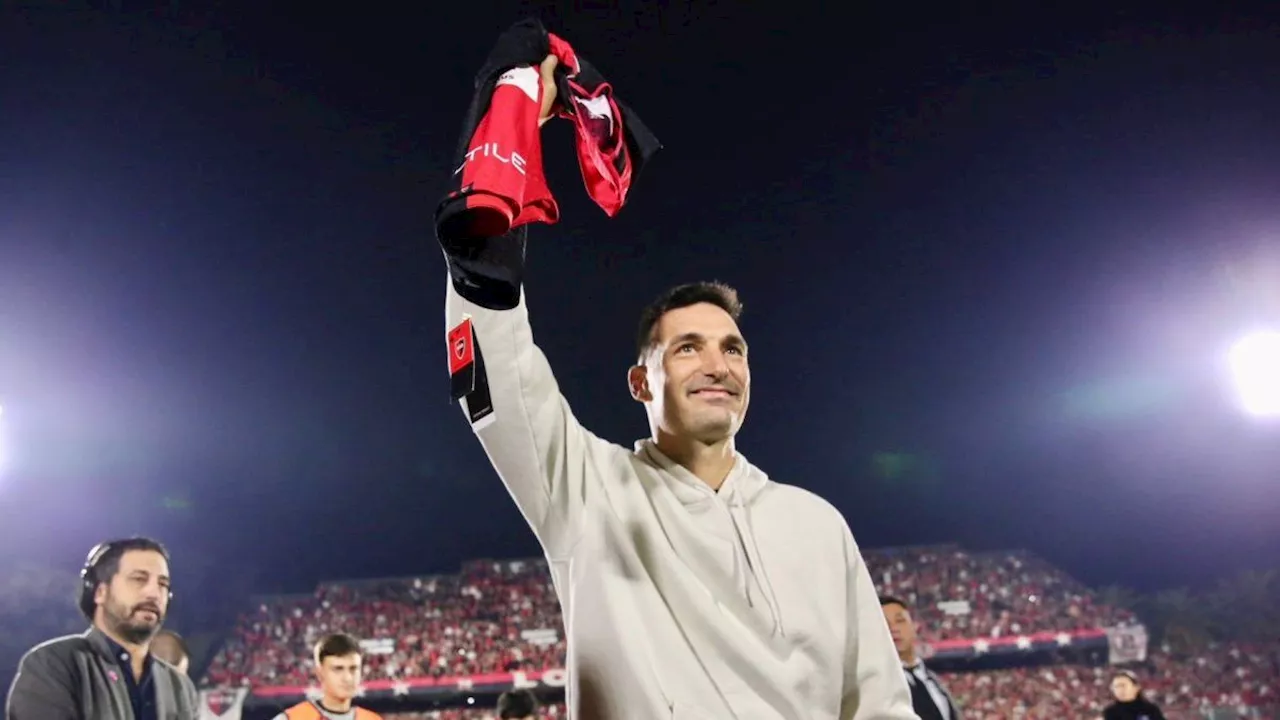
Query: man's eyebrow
point(686, 337)
point(730, 339)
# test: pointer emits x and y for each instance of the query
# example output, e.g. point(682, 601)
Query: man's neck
point(709, 463)
point(335, 705)
point(137, 652)
point(909, 659)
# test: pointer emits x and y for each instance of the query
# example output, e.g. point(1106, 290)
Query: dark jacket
point(923, 703)
point(71, 678)
point(1140, 709)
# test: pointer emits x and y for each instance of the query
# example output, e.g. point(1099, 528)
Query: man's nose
point(713, 363)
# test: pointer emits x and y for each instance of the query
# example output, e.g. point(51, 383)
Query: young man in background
point(339, 670)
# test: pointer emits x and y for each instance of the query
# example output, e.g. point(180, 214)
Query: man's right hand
point(548, 72)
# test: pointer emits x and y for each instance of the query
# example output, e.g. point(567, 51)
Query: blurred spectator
point(169, 647)
point(1130, 703)
point(929, 697)
point(338, 668)
point(517, 705)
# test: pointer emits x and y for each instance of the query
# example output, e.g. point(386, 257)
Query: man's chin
point(139, 633)
point(145, 620)
point(715, 430)
point(145, 623)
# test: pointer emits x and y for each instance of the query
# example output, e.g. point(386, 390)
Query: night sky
point(991, 262)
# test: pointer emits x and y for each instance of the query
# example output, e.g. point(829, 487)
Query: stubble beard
point(121, 623)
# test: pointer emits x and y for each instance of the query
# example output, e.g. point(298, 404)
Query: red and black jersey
point(499, 182)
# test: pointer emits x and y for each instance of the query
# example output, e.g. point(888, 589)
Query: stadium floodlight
point(1255, 363)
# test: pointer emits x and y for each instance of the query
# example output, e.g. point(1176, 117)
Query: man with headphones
point(108, 673)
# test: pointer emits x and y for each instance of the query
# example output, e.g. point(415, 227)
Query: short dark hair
point(517, 705)
point(336, 645)
point(886, 600)
point(103, 563)
point(1133, 678)
point(711, 292)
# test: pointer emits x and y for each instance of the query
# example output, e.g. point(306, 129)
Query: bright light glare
point(1255, 362)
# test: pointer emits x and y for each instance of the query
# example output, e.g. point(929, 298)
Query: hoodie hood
point(740, 491)
point(742, 485)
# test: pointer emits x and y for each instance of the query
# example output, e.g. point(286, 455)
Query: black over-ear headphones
point(89, 573)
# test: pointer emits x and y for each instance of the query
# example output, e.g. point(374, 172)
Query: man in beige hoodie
point(692, 585)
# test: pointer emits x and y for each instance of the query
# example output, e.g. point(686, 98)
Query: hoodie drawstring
point(750, 549)
point(732, 499)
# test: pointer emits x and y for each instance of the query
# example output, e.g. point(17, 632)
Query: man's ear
point(638, 382)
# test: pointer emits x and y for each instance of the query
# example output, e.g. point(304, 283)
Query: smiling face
point(132, 605)
point(695, 381)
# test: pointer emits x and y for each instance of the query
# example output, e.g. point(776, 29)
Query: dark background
point(992, 261)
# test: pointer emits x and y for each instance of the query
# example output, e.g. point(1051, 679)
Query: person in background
point(1129, 704)
point(517, 705)
point(168, 646)
point(108, 673)
point(339, 669)
point(929, 698)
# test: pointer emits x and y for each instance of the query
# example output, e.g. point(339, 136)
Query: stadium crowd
point(466, 624)
point(503, 616)
point(472, 623)
point(1007, 593)
point(1223, 676)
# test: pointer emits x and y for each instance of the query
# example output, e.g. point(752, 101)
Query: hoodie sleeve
point(531, 437)
point(874, 686)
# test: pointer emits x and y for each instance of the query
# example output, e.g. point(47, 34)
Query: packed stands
point(460, 625)
point(500, 617)
point(1006, 593)
point(471, 623)
point(1223, 676)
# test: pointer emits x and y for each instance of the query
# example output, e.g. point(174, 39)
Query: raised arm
point(531, 436)
point(502, 379)
point(874, 685)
